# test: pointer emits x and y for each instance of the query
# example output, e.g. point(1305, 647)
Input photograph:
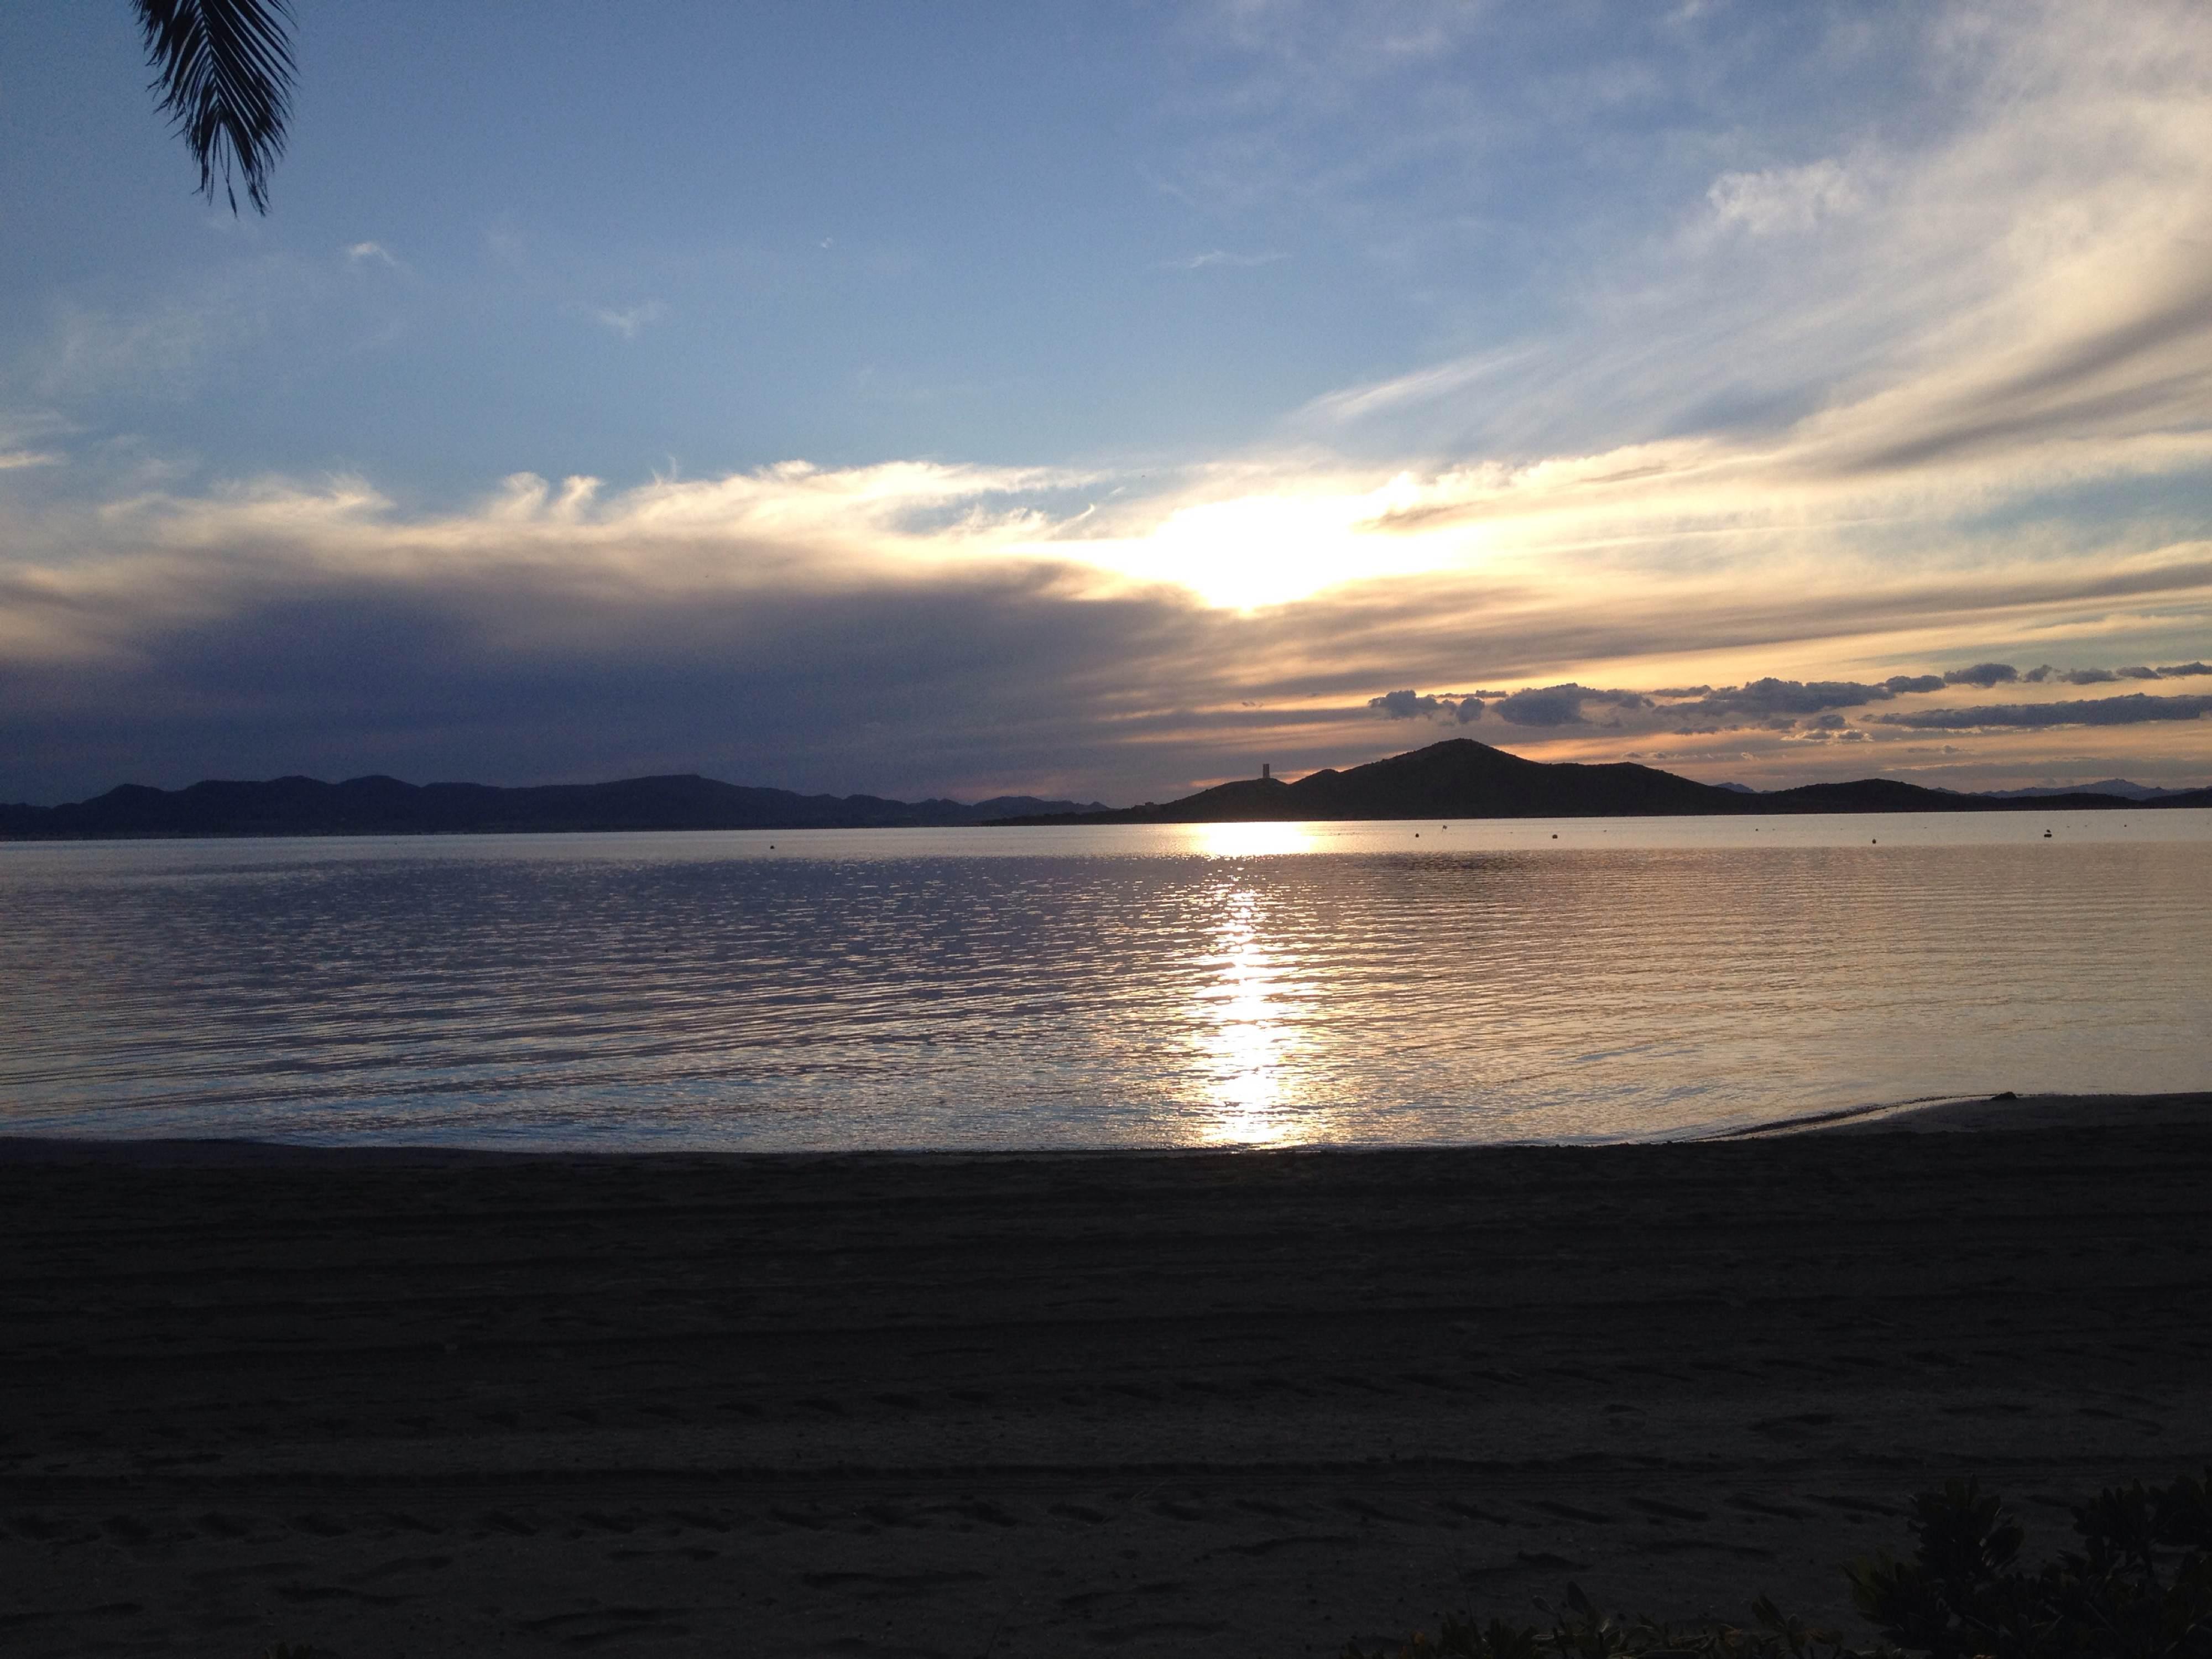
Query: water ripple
point(1239, 984)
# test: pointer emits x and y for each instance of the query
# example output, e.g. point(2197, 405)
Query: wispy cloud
point(2133, 708)
point(630, 321)
point(1216, 257)
point(1777, 200)
point(1416, 388)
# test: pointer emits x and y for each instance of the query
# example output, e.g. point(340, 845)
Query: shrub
point(2139, 1588)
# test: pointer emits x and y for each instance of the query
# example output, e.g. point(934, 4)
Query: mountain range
point(2119, 787)
point(1460, 778)
point(385, 806)
point(1457, 778)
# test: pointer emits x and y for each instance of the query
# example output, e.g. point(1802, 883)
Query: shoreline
point(2003, 1113)
point(392, 1401)
point(2182, 802)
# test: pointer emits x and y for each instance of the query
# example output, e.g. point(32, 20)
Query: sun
point(1252, 551)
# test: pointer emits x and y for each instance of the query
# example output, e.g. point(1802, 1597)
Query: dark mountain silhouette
point(2119, 787)
point(385, 806)
point(1460, 778)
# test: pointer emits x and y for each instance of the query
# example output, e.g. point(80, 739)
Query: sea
point(1116, 986)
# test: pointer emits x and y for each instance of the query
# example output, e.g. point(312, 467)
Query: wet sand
point(1257, 1404)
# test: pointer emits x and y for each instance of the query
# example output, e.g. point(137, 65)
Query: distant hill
point(1460, 778)
point(2119, 787)
point(386, 806)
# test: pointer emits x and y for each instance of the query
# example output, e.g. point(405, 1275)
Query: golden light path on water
point(1252, 1057)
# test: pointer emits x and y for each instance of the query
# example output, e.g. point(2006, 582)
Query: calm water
point(1118, 986)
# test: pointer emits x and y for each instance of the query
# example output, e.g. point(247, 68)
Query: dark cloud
point(1562, 705)
point(971, 687)
point(2109, 676)
point(1898, 684)
point(1770, 699)
point(1983, 674)
point(1405, 705)
point(1557, 705)
point(2134, 708)
point(1414, 705)
point(1831, 723)
point(1683, 692)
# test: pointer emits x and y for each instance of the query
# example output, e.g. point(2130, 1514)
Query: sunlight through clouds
point(1259, 549)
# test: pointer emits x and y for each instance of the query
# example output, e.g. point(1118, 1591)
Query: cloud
point(370, 252)
point(2021, 306)
point(1562, 705)
point(1430, 386)
point(195, 334)
point(909, 627)
point(1767, 699)
point(630, 323)
point(1559, 705)
point(1216, 257)
point(1405, 705)
point(1784, 199)
point(2107, 675)
point(1982, 674)
point(1897, 685)
point(2132, 709)
point(1410, 705)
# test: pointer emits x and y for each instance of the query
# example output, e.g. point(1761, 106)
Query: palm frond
point(224, 70)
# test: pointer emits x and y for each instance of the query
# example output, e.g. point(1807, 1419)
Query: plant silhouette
point(224, 70)
point(2139, 1587)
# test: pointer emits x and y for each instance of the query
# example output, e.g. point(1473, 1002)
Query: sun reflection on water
point(1250, 1038)
point(1237, 840)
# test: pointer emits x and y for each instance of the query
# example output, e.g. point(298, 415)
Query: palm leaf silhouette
point(224, 70)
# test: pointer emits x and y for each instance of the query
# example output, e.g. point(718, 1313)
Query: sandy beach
point(412, 1403)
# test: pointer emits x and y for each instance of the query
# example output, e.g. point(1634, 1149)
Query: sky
point(1100, 400)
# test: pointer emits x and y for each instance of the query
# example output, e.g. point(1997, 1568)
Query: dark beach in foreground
point(395, 1403)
